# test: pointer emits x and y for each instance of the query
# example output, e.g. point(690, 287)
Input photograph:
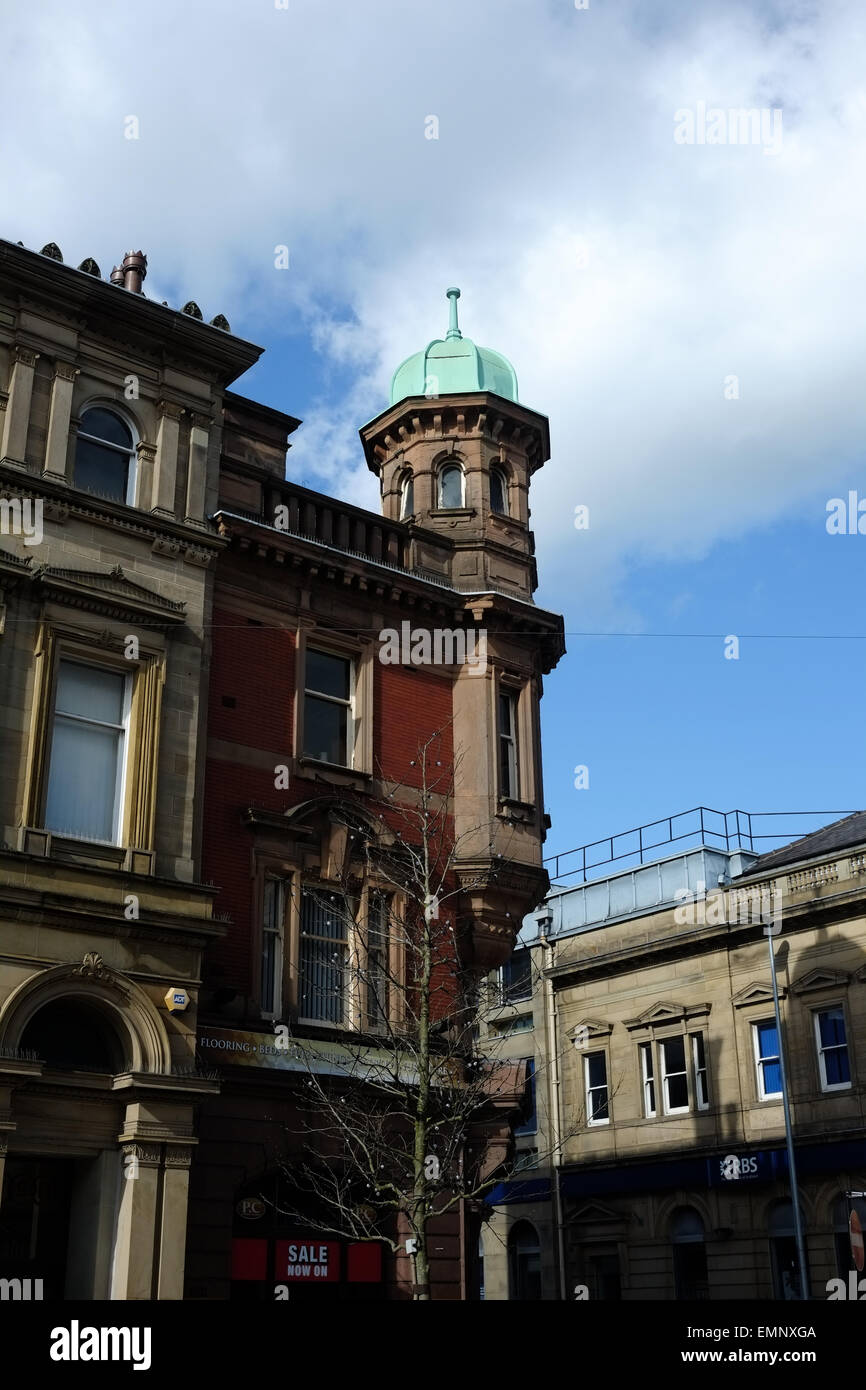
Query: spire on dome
point(453, 329)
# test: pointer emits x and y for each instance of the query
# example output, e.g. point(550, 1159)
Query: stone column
point(172, 1230)
point(57, 443)
point(146, 454)
point(15, 425)
point(136, 1223)
point(165, 470)
point(196, 479)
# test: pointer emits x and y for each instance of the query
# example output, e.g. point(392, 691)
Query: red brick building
point(343, 641)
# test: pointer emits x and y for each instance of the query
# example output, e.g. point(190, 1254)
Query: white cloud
point(306, 127)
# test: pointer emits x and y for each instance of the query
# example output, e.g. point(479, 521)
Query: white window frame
point(407, 483)
point(665, 1075)
point(110, 408)
point(510, 739)
point(763, 1094)
point(589, 1091)
point(348, 704)
point(829, 1087)
point(648, 1080)
point(278, 933)
point(348, 946)
point(122, 728)
point(698, 1041)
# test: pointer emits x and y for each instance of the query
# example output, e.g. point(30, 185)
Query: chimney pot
point(134, 269)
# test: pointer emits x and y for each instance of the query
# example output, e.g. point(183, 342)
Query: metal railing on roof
point(728, 830)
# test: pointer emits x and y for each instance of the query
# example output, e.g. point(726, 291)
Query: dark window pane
point(599, 1105)
point(832, 1026)
point(325, 730)
point(106, 425)
point(674, 1051)
point(329, 675)
point(596, 1069)
point(505, 714)
point(517, 977)
point(678, 1092)
point(836, 1064)
point(101, 471)
point(497, 491)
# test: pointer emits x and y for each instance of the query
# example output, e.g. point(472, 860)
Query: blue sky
point(627, 275)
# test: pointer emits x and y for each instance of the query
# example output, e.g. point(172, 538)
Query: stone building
point(317, 716)
point(177, 621)
point(661, 1171)
point(110, 425)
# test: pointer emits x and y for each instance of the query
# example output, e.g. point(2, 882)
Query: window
point(508, 779)
point(681, 1067)
point(648, 1079)
point(498, 492)
point(451, 486)
point(530, 1125)
point(515, 977)
point(690, 1255)
point(595, 1075)
point(699, 1062)
point(378, 972)
point(328, 708)
point(675, 1078)
point(833, 1063)
point(104, 454)
point(273, 916)
point(767, 1061)
point(524, 1263)
point(324, 953)
point(783, 1249)
point(601, 1274)
point(88, 747)
point(407, 496)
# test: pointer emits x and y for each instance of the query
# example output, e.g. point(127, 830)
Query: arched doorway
point(783, 1251)
point(690, 1254)
point(524, 1263)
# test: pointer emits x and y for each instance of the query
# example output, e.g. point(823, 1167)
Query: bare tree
point(412, 1114)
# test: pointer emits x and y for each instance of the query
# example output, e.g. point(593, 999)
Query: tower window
point(508, 765)
point(407, 496)
point(498, 492)
point(104, 455)
point(451, 486)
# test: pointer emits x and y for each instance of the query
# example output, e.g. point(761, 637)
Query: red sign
point(305, 1260)
point(855, 1230)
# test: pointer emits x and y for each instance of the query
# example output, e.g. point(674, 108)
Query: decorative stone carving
point(178, 1155)
point(90, 267)
point(93, 966)
point(192, 309)
point(220, 321)
point(66, 371)
point(53, 250)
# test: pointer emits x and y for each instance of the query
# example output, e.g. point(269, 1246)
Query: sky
point(687, 311)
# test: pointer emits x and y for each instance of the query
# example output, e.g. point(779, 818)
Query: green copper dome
point(453, 364)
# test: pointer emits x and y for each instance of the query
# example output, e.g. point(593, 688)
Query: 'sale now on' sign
point(307, 1261)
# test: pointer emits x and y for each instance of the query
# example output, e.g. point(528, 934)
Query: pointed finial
point(453, 330)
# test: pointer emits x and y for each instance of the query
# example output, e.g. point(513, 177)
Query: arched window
point(524, 1263)
point(407, 495)
point(783, 1247)
point(498, 492)
point(104, 455)
point(73, 1036)
point(690, 1254)
point(451, 486)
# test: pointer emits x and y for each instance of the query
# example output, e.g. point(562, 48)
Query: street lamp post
point(789, 1133)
